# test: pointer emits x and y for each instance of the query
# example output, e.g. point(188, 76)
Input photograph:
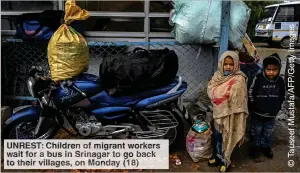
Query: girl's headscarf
point(219, 76)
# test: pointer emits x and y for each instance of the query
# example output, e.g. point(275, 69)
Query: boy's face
point(271, 71)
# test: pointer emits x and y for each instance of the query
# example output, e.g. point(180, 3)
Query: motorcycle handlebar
point(36, 72)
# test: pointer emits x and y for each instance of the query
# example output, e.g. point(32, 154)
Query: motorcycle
point(82, 105)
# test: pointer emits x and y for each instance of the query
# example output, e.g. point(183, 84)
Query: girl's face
point(228, 66)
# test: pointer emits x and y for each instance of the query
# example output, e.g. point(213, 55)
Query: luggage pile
point(67, 51)
point(138, 70)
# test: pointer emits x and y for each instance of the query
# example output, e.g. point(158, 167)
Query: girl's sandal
point(223, 168)
point(213, 162)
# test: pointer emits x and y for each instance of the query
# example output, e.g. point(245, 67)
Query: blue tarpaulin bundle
point(199, 22)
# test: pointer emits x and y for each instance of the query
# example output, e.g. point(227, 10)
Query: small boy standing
point(266, 95)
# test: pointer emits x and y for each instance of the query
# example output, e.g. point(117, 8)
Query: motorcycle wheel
point(25, 129)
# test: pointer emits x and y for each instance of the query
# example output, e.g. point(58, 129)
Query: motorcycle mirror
point(34, 70)
point(39, 68)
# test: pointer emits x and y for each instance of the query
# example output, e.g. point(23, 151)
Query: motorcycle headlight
point(30, 84)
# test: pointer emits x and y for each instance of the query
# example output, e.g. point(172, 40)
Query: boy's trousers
point(261, 131)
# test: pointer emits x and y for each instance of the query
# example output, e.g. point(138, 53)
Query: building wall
point(95, 23)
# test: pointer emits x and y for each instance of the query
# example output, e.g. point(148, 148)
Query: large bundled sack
point(68, 52)
point(138, 70)
point(200, 22)
point(199, 144)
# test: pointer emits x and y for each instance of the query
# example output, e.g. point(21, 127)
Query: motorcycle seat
point(105, 100)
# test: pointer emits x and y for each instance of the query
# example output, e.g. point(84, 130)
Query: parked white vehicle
point(280, 24)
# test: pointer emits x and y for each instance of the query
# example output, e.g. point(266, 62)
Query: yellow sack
point(68, 52)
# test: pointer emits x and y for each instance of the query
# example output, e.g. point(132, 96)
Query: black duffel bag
point(138, 70)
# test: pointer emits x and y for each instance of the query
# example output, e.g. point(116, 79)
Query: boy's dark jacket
point(265, 96)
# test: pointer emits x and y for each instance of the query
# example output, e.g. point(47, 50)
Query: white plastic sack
point(199, 22)
point(199, 145)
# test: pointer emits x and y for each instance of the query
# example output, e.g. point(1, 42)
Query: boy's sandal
point(267, 152)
